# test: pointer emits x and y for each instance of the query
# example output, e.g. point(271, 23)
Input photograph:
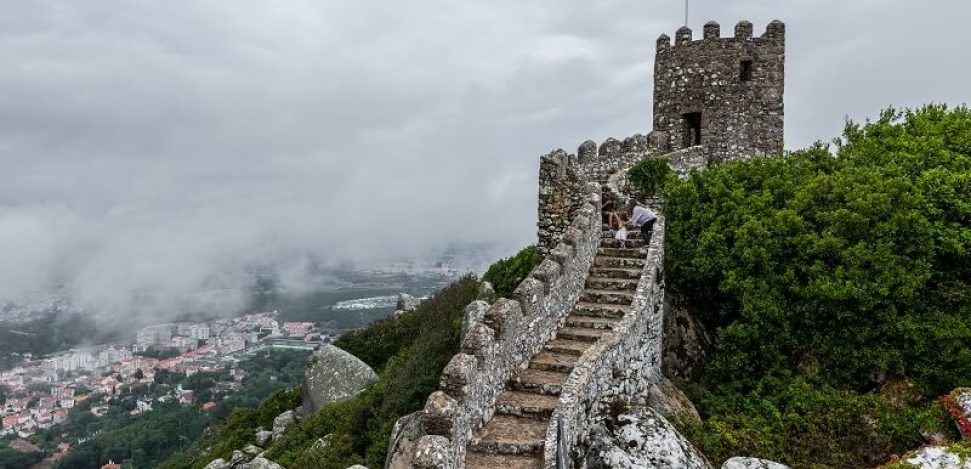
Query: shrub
point(821, 273)
point(650, 175)
point(506, 274)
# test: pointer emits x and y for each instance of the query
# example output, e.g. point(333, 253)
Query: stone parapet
point(619, 367)
point(510, 333)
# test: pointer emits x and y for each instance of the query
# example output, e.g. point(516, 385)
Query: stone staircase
point(513, 438)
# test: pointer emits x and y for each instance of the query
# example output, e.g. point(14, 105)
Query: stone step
point(484, 460)
point(616, 272)
point(510, 434)
point(607, 283)
point(526, 404)
point(618, 262)
point(606, 297)
point(553, 361)
point(566, 346)
point(580, 333)
point(633, 241)
point(621, 252)
point(591, 322)
point(583, 308)
point(538, 381)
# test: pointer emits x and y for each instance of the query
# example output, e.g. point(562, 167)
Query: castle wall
point(618, 368)
point(738, 118)
point(511, 332)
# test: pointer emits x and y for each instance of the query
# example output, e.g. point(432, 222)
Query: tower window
point(692, 129)
point(746, 70)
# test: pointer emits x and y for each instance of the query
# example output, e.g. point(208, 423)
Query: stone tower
point(724, 94)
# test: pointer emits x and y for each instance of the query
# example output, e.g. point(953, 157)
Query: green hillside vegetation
point(825, 274)
point(408, 351)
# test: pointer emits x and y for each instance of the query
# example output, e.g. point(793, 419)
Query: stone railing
point(618, 367)
point(511, 332)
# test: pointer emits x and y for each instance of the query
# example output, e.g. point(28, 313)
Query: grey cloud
point(160, 149)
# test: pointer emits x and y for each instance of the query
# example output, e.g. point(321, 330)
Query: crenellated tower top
point(722, 93)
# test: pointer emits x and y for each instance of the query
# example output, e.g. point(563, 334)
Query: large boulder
point(333, 375)
point(752, 463)
point(404, 438)
point(642, 438)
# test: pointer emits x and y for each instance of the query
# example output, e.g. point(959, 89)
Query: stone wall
point(511, 332)
point(619, 367)
point(733, 85)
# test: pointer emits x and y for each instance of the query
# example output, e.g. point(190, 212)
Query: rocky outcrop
point(686, 341)
point(263, 437)
point(332, 375)
point(218, 464)
point(752, 463)
point(407, 302)
point(937, 457)
point(641, 438)
point(404, 438)
point(670, 402)
point(263, 463)
point(281, 422)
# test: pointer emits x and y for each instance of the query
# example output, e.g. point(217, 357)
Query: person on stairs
point(618, 220)
point(642, 216)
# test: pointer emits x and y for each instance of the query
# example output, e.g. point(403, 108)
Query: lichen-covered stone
point(282, 422)
point(642, 438)
point(407, 302)
point(404, 439)
point(433, 452)
point(252, 450)
point(937, 457)
point(487, 292)
point(218, 464)
point(752, 463)
point(263, 463)
point(333, 375)
point(474, 314)
point(686, 341)
point(263, 437)
point(436, 418)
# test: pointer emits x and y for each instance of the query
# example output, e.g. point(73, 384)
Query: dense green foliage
point(651, 175)
point(14, 459)
point(506, 274)
point(824, 274)
point(408, 351)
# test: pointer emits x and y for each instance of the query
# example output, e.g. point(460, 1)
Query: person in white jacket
point(643, 217)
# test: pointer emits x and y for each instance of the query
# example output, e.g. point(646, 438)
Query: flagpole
point(686, 12)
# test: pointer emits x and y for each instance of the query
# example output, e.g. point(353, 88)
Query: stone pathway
point(513, 438)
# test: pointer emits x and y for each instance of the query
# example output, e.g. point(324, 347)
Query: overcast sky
point(158, 148)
